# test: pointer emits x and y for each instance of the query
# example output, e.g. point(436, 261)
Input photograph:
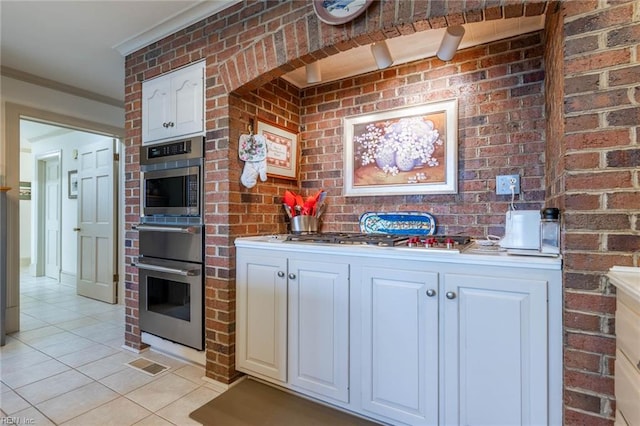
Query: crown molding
point(60, 87)
point(172, 24)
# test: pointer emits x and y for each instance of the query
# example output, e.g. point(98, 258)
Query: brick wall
point(499, 87)
point(593, 176)
point(253, 43)
point(598, 187)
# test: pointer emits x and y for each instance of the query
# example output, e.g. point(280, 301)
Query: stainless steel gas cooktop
point(442, 242)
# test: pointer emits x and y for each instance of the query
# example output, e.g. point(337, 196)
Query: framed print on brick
point(282, 150)
point(411, 150)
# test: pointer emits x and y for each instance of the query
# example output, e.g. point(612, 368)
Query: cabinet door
point(261, 317)
point(188, 101)
point(156, 108)
point(400, 345)
point(495, 351)
point(319, 328)
point(173, 104)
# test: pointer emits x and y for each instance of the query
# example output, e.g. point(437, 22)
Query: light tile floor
point(66, 366)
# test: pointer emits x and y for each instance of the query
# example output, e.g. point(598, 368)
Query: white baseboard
point(67, 278)
point(175, 350)
point(134, 350)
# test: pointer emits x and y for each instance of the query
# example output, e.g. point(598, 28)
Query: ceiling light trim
point(173, 24)
point(381, 54)
point(450, 42)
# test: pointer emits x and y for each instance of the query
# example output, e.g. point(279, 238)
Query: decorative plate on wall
point(336, 12)
point(404, 223)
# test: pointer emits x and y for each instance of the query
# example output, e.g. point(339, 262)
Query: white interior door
point(97, 206)
point(51, 185)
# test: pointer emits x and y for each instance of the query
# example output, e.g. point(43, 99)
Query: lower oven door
point(171, 300)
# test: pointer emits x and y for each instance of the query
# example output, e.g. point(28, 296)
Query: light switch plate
point(504, 182)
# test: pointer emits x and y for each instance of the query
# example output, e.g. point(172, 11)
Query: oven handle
point(181, 272)
point(176, 229)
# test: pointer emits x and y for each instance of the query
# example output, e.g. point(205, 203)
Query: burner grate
point(350, 238)
point(383, 240)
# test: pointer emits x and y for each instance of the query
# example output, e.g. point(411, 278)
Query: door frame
point(37, 219)
point(13, 113)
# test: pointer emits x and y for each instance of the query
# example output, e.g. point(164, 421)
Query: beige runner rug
point(251, 403)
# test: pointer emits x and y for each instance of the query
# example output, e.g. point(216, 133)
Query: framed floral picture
point(410, 150)
point(282, 150)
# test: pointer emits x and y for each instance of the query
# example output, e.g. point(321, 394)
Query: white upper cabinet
point(173, 104)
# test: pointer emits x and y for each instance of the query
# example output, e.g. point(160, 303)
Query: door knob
point(431, 292)
point(450, 295)
point(76, 229)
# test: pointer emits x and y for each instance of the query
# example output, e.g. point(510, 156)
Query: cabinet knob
point(165, 125)
point(450, 295)
point(280, 274)
point(292, 276)
point(171, 124)
point(431, 292)
point(76, 229)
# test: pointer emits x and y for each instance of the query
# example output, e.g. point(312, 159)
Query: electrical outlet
point(504, 182)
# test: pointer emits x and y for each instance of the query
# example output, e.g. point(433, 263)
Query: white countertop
point(469, 256)
point(626, 278)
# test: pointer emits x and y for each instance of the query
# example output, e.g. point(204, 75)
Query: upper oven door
point(171, 192)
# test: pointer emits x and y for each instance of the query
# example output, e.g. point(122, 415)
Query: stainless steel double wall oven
point(171, 241)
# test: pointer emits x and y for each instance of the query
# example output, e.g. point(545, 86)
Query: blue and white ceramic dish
point(402, 223)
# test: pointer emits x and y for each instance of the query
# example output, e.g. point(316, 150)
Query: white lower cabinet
point(319, 328)
point(399, 346)
point(304, 299)
point(404, 342)
point(494, 350)
point(261, 315)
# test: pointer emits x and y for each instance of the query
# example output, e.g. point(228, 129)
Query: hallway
point(67, 367)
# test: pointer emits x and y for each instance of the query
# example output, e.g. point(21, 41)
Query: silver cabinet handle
point(431, 292)
point(177, 229)
point(450, 295)
point(292, 276)
point(181, 272)
point(280, 274)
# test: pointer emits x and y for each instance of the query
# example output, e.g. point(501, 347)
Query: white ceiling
point(82, 44)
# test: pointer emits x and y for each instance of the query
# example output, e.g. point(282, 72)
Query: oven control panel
point(170, 149)
point(184, 149)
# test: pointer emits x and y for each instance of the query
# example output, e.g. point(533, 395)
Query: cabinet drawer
point(628, 329)
point(627, 389)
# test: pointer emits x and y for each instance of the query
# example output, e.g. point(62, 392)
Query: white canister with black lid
point(550, 230)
